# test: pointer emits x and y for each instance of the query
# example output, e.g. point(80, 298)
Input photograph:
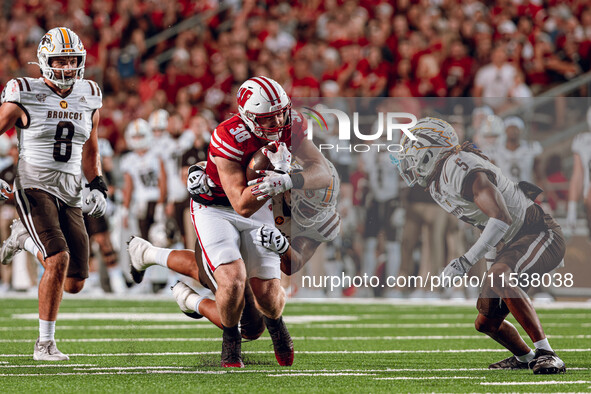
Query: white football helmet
point(60, 41)
point(309, 207)
point(262, 97)
point(159, 119)
point(138, 135)
point(417, 159)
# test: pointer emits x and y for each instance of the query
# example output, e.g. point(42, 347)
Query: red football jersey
point(233, 141)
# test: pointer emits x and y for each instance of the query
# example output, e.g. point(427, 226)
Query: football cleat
point(232, 352)
point(282, 343)
point(136, 247)
point(509, 363)
point(181, 293)
point(14, 243)
point(546, 362)
point(47, 351)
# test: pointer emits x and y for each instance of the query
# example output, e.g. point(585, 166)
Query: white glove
point(272, 239)
point(456, 267)
point(198, 182)
point(270, 185)
point(281, 160)
point(5, 190)
point(571, 215)
point(95, 204)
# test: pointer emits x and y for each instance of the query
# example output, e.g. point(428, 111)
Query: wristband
point(98, 183)
point(297, 180)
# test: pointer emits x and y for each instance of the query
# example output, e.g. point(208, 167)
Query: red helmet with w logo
point(259, 98)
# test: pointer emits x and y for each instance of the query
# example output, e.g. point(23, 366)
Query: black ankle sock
point(231, 332)
point(272, 324)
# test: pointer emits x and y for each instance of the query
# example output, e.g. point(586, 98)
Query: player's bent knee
point(74, 285)
point(57, 263)
point(484, 325)
point(269, 295)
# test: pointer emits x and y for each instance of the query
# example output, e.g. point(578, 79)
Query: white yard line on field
point(172, 317)
point(543, 382)
point(46, 365)
point(430, 377)
point(297, 352)
point(121, 327)
point(300, 338)
point(201, 325)
point(321, 374)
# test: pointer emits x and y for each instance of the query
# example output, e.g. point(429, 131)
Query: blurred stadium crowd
point(188, 58)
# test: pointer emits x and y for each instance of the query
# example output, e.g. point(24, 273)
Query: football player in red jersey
point(466, 184)
point(303, 220)
point(227, 223)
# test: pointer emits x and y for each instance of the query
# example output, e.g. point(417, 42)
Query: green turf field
point(133, 346)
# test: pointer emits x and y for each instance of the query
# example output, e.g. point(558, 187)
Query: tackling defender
point(466, 184)
point(315, 220)
point(56, 118)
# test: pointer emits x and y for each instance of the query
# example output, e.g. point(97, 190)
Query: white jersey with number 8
point(50, 143)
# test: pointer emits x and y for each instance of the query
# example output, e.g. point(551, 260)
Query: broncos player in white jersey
point(466, 184)
point(580, 182)
point(516, 156)
point(56, 117)
point(303, 220)
point(144, 176)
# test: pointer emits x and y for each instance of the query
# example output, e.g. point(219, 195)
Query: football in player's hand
point(259, 162)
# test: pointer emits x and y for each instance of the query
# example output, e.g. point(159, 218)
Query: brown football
point(259, 162)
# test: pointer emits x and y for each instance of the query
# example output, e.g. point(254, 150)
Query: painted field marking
point(297, 352)
point(206, 325)
point(536, 382)
point(430, 377)
point(122, 327)
point(304, 338)
point(300, 319)
point(288, 374)
point(46, 365)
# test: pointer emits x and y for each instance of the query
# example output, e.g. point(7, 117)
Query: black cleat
point(232, 351)
point(546, 362)
point(282, 343)
point(509, 363)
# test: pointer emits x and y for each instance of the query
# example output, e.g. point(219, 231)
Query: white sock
point(193, 301)
point(526, 358)
point(31, 247)
point(46, 330)
point(543, 344)
point(162, 256)
point(155, 255)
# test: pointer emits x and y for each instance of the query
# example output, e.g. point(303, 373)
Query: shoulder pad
point(456, 169)
point(92, 93)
